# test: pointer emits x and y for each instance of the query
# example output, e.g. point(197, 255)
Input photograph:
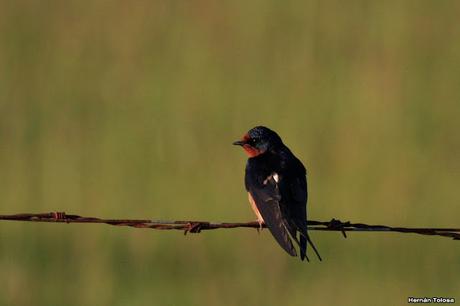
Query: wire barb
point(198, 226)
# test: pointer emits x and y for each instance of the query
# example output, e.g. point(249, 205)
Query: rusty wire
point(198, 226)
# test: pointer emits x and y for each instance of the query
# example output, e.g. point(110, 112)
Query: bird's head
point(258, 141)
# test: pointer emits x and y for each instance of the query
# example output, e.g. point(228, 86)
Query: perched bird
point(277, 187)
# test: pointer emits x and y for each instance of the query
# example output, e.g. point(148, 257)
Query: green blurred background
point(128, 109)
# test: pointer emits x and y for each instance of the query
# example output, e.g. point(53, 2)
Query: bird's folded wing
point(267, 199)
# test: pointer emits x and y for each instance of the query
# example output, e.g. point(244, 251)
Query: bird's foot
point(261, 226)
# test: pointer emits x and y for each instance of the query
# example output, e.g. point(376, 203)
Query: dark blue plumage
point(276, 182)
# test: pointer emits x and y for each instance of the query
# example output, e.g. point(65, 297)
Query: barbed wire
point(198, 226)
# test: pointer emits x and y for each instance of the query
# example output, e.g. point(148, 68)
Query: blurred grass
point(120, 109)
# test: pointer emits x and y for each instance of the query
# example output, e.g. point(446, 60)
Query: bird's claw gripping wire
point(261, 226)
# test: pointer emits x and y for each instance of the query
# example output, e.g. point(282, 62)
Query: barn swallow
point(277, 188)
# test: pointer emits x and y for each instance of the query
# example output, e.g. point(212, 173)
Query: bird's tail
point(303, 248)
point(303, 240)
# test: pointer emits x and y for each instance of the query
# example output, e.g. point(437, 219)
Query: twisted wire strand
point(193, 226)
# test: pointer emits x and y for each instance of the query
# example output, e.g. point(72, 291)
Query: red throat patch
point(250, 151)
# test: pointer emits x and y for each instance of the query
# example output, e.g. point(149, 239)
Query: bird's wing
point(295, 210)
point(267, 198)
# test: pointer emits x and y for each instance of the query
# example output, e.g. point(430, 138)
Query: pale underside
point(255, 209)
point(260, 219)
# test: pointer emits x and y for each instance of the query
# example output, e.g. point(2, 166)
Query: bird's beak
point(239, 143)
